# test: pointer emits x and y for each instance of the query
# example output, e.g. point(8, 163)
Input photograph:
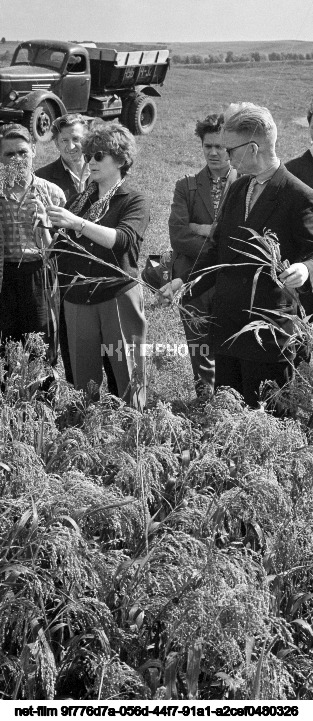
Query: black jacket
point(302, 168)
point(57, 173)
point(286, 208)
point(129, 215)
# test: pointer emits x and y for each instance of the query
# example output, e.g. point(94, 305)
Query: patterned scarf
point(100, 207)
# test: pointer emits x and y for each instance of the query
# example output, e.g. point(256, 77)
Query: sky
point(157, 20)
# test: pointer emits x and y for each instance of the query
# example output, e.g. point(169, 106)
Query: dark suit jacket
point(57, 173)
point(302, 167)
point(193, 206)
point(286, 208)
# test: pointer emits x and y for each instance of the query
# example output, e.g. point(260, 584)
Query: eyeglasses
point(98, 156)
point(230, 150)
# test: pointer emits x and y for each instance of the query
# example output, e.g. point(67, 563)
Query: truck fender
point(32, 100)
point(148, 90)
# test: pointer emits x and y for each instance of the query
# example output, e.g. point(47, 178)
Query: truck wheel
point(39, 122)
point(142, 115)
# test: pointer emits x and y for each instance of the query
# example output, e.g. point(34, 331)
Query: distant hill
point(206, 48)
point(238, 48)
point(203, 48)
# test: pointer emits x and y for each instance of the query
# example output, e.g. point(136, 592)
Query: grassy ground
point(172, 150)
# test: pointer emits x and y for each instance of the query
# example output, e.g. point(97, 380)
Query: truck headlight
point(13, 95)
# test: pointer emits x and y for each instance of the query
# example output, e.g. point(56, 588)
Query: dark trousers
point(29, 303)
point(197, 333)
point(246, 376)
point(65, 353)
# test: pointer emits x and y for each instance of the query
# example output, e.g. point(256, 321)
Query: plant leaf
point(256, 691)
point(254, 285)
point(170, 675)
point(193, 668)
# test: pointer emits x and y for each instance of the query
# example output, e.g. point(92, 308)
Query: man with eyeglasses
point(268, 197)
point(197, 203)
point(29, 292)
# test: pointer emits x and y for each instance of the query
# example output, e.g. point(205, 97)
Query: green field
point(166, 555)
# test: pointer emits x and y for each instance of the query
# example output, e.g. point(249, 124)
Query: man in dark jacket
point(302, 168)
point(302, 165)
point(69, 171)
point(267, 197)
point(197, 203)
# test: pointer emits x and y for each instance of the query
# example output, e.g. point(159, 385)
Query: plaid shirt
point(19, 240)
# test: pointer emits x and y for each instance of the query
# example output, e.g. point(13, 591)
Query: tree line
point(231, 57)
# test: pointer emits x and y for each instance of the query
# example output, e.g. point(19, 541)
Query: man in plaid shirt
point(29, 293)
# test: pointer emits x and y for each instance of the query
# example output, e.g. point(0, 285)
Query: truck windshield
point(44, 56)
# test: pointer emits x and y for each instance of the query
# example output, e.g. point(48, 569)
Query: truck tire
point(39, 121)
point(142, 115)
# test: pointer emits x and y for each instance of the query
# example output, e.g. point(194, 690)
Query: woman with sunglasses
point(103, 300)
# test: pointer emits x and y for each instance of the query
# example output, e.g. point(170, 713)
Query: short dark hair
point(114, 139)
point(11, 131)
point(210, 124)
point(66, 121)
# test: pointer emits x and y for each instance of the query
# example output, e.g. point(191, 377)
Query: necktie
point(250, 190)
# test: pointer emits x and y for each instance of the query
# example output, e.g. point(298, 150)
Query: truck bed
point(112, 69)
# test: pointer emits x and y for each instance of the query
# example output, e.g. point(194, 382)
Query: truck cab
point(47, 79)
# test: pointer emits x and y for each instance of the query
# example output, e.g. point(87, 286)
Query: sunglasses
point(98, 156)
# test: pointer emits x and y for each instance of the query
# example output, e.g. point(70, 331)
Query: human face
point(106, 171)
point(69, 143)
point(242, 152)
point(215, 153)
point(18, 149)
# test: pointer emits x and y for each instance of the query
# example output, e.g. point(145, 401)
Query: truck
point(47, 79)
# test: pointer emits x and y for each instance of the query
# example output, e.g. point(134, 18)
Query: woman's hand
point(62, 218)
point(295, 276)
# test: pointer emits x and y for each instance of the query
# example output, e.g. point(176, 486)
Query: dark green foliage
point(154, 555)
